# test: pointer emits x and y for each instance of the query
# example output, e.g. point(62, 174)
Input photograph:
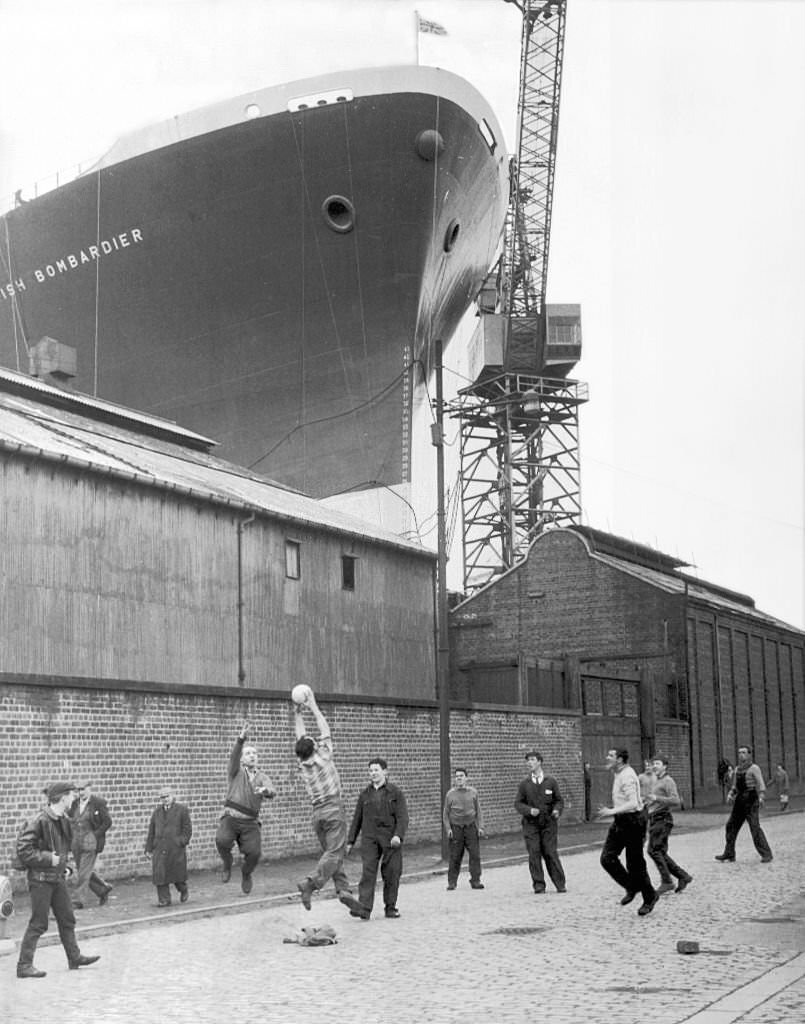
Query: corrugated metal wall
point(746, 688)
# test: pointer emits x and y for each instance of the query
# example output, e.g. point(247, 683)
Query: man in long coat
point(168, 835)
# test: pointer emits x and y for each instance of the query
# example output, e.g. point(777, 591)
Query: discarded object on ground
point(311, 936)
point(689, 946)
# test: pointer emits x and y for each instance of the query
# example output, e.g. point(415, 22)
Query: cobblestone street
point(498, 955)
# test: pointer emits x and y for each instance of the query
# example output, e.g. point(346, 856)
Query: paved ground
point(496, 955)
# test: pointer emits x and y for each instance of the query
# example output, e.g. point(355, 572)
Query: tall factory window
point(348, 572)
point(293, 569)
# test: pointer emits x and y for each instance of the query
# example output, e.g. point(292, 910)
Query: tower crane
point(519, 451)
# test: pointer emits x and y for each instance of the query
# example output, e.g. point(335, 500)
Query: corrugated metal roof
point(45, 422)
point(673, 583)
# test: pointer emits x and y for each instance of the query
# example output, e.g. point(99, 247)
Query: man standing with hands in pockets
point(540, 803)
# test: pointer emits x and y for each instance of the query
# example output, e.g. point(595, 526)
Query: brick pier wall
point(128, 739)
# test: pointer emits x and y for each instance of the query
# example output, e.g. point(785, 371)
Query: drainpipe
point(241, 526)
point(686, 639)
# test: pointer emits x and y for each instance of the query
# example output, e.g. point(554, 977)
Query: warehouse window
point(348, 572)
point(293, 569)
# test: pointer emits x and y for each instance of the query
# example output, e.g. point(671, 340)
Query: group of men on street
point(74, 823)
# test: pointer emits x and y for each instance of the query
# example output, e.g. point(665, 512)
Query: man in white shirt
point(627, 832)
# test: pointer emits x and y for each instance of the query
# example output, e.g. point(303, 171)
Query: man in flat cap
point(43, 847)
point(90, 821)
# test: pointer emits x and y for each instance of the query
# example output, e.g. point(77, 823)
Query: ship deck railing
point(43, 185)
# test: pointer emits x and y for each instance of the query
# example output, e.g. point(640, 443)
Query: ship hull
point(275, 283)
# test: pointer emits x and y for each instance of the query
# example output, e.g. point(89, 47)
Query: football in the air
point(300, 693)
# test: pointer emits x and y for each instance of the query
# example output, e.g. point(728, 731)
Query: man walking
point(90, 821)
point(381, 818)
point(169, 832)
point(540, 803)
point(463, 824)
point(323, 785)
point(780, 780)
point(43, 848)
point(746, 797)
point(248, 787)
point(627, 832)
point(663, 798)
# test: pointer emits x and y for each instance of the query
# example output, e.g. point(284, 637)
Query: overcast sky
point(678, 216)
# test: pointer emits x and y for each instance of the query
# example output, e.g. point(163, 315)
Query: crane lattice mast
point(519, 420)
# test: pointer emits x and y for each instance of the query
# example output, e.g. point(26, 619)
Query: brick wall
point(129, 739)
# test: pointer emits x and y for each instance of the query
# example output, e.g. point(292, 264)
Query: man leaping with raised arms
point(323, 785)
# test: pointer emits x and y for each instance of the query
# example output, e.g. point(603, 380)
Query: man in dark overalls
point(746, 797)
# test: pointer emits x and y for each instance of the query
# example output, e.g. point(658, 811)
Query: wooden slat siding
point(111, 580)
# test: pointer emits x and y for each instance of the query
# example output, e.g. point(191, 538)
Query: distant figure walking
point(169, 833)
point(780, 780)
point(540, 803)
point(90, 821)
point(746, 797)
point(725, 773)
point(664, 798)
point(627, 832)
point(463, 823)
point(248, 787)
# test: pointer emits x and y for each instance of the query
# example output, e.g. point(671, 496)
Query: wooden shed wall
point(105, 579)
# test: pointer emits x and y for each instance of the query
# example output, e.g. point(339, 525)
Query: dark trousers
point(164, 891)
point(376, 851)
point(246, 833)
point(627, 832)
point(465, 837)
point(540, 841)
point(659, 829)
point(44, 897)
point(746, 809)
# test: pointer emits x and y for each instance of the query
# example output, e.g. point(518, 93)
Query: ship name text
point(72, 261)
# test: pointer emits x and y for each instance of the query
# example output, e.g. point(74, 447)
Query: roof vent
point(53, 363)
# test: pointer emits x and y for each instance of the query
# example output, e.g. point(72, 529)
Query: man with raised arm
point(248, 787)
point(320, 777)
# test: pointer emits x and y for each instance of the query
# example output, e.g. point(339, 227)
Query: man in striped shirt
point(323, 785)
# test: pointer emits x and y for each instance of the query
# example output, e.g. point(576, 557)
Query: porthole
point(252, 111)
point(339, 213)
point(429, 144)
point(451, 235)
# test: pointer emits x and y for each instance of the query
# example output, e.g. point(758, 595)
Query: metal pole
point(443, 653)
point(241, 668)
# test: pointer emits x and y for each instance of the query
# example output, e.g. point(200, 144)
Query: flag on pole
point(431, 26)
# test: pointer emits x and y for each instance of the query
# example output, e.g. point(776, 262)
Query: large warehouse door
point(611, 719)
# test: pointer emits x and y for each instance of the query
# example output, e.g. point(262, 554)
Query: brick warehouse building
point(155, 597)
point(653, 659)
